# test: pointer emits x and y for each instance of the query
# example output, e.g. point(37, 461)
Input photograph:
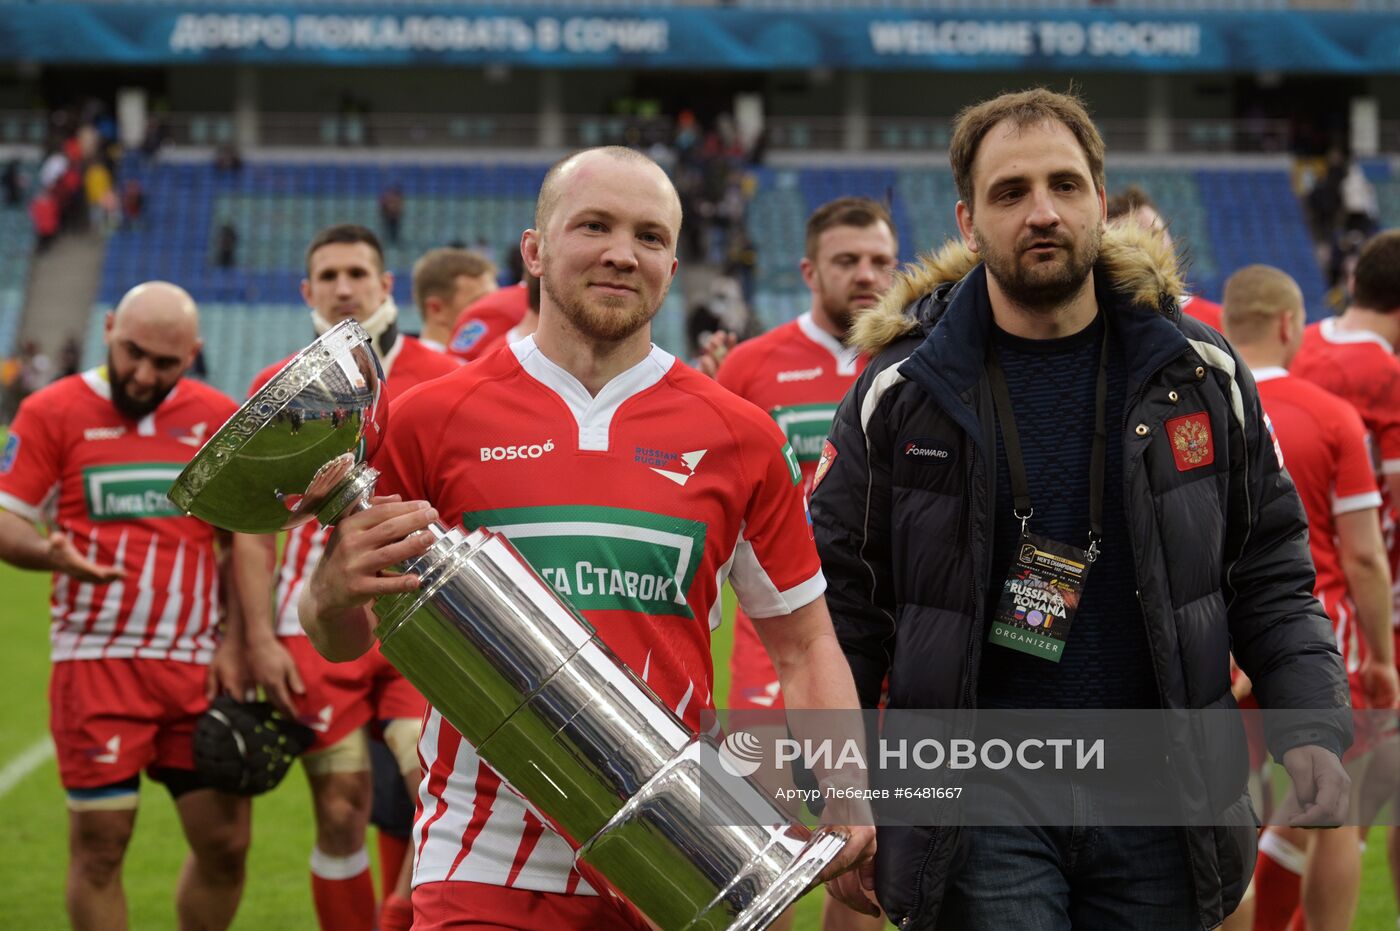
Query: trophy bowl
point(285, 454)
point(643, 800)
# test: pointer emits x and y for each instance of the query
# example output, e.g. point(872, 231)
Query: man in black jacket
point(972, 435)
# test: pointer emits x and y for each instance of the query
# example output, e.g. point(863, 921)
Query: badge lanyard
point(1042, 590)
point(1020, 488)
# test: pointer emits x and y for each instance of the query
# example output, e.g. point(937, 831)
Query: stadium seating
point(1222, 217)
point(16, 246)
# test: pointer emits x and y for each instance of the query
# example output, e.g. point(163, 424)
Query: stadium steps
point(63, 284)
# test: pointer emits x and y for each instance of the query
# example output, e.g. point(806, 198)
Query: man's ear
point(969, 235)
point(530, 246)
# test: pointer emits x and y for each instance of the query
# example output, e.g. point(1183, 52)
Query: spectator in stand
point(103, 210)
point(14, 183)
point(226, 245)
point(445, 283)
point(1324, 200)
point(70, 357)
point(154, 138)
point(43, 213)
point(227, 158)
point(1132, 205)
point(36, 368)
point(391, 213)
point(1360, 208)
point(133, 202)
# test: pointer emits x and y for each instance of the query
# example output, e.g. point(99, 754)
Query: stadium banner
point(709, 38)
point(926, 767)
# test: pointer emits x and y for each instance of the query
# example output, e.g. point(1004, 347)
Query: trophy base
point(647, 804)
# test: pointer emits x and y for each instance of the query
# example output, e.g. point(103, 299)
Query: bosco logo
point(523, 451)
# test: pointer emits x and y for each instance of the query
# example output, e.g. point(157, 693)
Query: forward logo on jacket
point(1192, 444)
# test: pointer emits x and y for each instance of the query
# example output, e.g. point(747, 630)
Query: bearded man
point(1038, 411)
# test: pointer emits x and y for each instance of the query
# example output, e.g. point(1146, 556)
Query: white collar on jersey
point(844, 355)
point(96, 379)
point(1329, 331)
point(386, 361)
point(593, 414)
point(1268, 373)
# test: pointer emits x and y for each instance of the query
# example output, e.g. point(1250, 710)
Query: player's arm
point(228, 670)
point(1367, 570)
point(24, 546)
point(335, 603)
point(271, 666)
point(813, 674)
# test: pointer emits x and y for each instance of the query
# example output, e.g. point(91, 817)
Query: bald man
point(587, 426)
point(136, 602)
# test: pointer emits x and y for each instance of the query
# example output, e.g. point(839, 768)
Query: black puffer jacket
point(1220, 552)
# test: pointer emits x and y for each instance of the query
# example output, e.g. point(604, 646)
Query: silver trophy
point(647, 804)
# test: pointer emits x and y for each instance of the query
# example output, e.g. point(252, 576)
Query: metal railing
point(445, 131)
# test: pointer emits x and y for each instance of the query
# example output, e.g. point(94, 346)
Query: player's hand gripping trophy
point(644, 801)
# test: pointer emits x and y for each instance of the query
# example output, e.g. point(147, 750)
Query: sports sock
point(1278, 880)
point(1299, 922)
point(396, 914)
point(391, 853)
point(342, 891)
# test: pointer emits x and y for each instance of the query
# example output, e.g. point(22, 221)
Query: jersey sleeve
point(31, 464)
point(1355, 486)
point(402, 460)
point(776, 569)
point(478, 331)
point(734, 372)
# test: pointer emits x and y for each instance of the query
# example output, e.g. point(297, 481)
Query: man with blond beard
point(613, 432)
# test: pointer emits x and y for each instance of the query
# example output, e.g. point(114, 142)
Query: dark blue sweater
point(1106, 662)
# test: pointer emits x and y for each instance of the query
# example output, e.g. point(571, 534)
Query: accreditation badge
point(1040, 597)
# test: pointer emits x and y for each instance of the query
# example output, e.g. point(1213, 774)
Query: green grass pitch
point(33, 850)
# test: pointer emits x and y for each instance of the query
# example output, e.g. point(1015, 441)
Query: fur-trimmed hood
point(1136, 261)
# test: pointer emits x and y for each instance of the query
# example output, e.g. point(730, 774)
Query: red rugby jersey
point(103, 478)
point(798, 373)
point(485, 322)
point(1361, 369)
point(1324, 449)
point(1208, 312)
point(408, 363)
point(636, 505)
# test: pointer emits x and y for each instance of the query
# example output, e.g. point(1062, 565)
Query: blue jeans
point(1085, 877)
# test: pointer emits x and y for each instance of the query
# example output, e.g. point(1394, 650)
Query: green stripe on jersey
point(806, 426)
point(605, 559)
point(130, 491)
